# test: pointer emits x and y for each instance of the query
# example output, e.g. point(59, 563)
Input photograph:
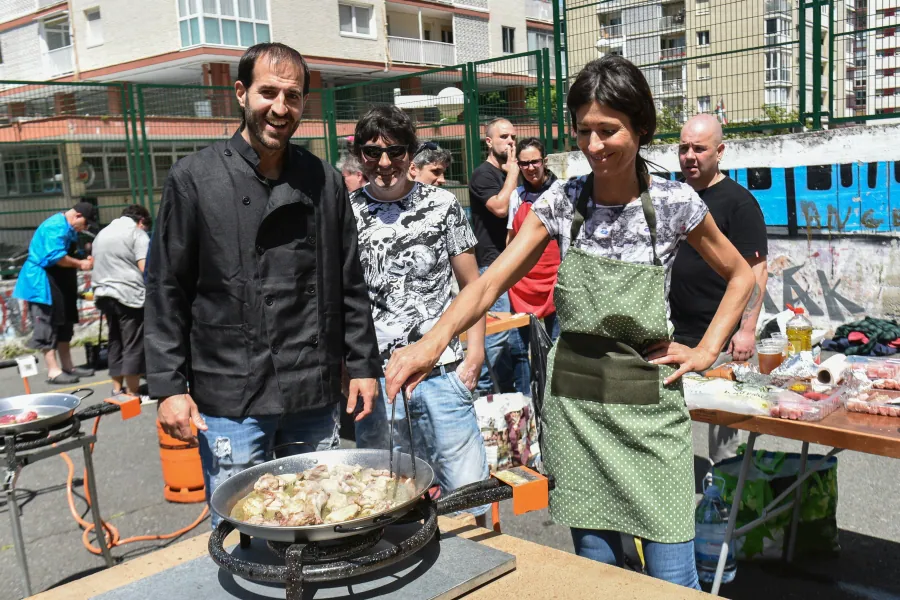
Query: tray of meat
point(883, 372)
point(24, 416)
point(803, 403)
point(875, 402)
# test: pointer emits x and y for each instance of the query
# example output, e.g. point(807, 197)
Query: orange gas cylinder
point(182, 471)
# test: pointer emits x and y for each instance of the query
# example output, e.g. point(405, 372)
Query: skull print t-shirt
point(405, 249)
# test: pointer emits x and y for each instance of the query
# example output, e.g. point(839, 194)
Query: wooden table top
point(541, 573)
point(871, 434)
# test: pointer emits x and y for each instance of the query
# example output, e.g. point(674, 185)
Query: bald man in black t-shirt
point(696, 289)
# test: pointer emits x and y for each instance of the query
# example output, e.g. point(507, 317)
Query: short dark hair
point(531, 142)
point(430, 153)
point(275, 52)
point(615, 82)
point(138, 214)
point(494, 121)
point(388, 122)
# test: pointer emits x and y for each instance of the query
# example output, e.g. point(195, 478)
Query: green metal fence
point(117, 142)
point(60, 141)
point(176, 120)
point(761, 66)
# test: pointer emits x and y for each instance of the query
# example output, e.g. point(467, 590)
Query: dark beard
point(255, 125)
point(501, 157)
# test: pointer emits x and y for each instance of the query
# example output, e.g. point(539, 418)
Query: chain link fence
point(762, 67)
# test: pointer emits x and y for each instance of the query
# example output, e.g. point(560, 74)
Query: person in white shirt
point(120, 253)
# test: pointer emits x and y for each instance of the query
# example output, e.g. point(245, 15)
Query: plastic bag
point(509, 430)
point(769, 475)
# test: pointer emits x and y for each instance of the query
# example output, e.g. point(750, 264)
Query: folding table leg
point(14, 520)
point(95, 506)
point(732, 516)
point(798, 497)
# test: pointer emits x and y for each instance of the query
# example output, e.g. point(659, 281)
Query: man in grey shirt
point(120, 252)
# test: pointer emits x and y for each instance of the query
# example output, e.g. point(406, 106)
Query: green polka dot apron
point(616, 440)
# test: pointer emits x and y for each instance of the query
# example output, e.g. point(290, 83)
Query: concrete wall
point(507, 13)
point(472, 38)
point(13, 9)
point(123, 41)
point(21, 54)
point(317, 32)
point(837, 277)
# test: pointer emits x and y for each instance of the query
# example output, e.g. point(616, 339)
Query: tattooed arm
point(743, 344)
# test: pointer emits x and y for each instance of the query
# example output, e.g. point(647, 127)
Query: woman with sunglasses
point(616, 434)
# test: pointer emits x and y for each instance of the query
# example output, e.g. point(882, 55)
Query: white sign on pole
point(28, 366)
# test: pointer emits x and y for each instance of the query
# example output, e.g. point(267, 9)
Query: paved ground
point(130, 494)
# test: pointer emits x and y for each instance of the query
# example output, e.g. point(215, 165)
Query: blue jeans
point(674, 563)
point(444, 427)
point(497, 351)
point(229, 445)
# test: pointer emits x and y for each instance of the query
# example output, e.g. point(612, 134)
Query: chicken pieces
point(321, 495)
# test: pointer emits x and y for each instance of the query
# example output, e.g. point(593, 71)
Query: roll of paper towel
point(832, 370)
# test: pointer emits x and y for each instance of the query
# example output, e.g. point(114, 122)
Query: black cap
point(91, 215)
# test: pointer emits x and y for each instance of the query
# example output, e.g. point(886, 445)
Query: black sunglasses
point(530, 163)
point(373, 152)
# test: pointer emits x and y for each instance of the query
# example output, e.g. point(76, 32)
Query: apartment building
point(876, 80)
point(199, 42)
point(737, 59)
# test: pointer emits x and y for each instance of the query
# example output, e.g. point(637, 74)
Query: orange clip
point(531, 490)
point(130, 406)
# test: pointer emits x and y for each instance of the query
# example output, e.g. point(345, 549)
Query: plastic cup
point(770, 354)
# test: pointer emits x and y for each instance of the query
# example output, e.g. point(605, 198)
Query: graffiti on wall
point(836, 281)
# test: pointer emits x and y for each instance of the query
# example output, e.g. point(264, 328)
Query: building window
point(778, 66)
point(509, 40)
point(223, 22)
point(447, 36)
point(28, 171)
point(777, 30)
point(703, 38)
point(94, 27)
point(703, 104)
point(703, 71)
point(777, 97)
point(702, 7)
point(57, 35)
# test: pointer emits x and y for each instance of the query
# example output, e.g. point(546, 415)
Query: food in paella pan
point(321, 495)
point(17, 419)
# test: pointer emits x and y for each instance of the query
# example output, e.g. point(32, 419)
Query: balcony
point(610, 35)
point(670, 87)
point(539, 10)
point(421, 52)
point(778, 6)
point(58, 62)
point(673, 53)
point(675, 21)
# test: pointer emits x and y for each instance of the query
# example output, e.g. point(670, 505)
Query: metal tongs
point(412, 450)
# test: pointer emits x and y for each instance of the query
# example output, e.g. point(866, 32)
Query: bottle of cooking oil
point(799, 332)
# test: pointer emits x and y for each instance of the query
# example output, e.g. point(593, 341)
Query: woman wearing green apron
point(616, 434)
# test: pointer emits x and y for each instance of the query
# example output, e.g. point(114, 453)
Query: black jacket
point(255, 294)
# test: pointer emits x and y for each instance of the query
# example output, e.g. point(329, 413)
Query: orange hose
point(111, 534)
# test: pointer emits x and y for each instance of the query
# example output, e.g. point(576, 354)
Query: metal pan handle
point(285, 445)
point(379, 521)
point(89, 391)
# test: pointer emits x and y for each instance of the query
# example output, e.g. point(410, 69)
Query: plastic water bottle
point(710, 522)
